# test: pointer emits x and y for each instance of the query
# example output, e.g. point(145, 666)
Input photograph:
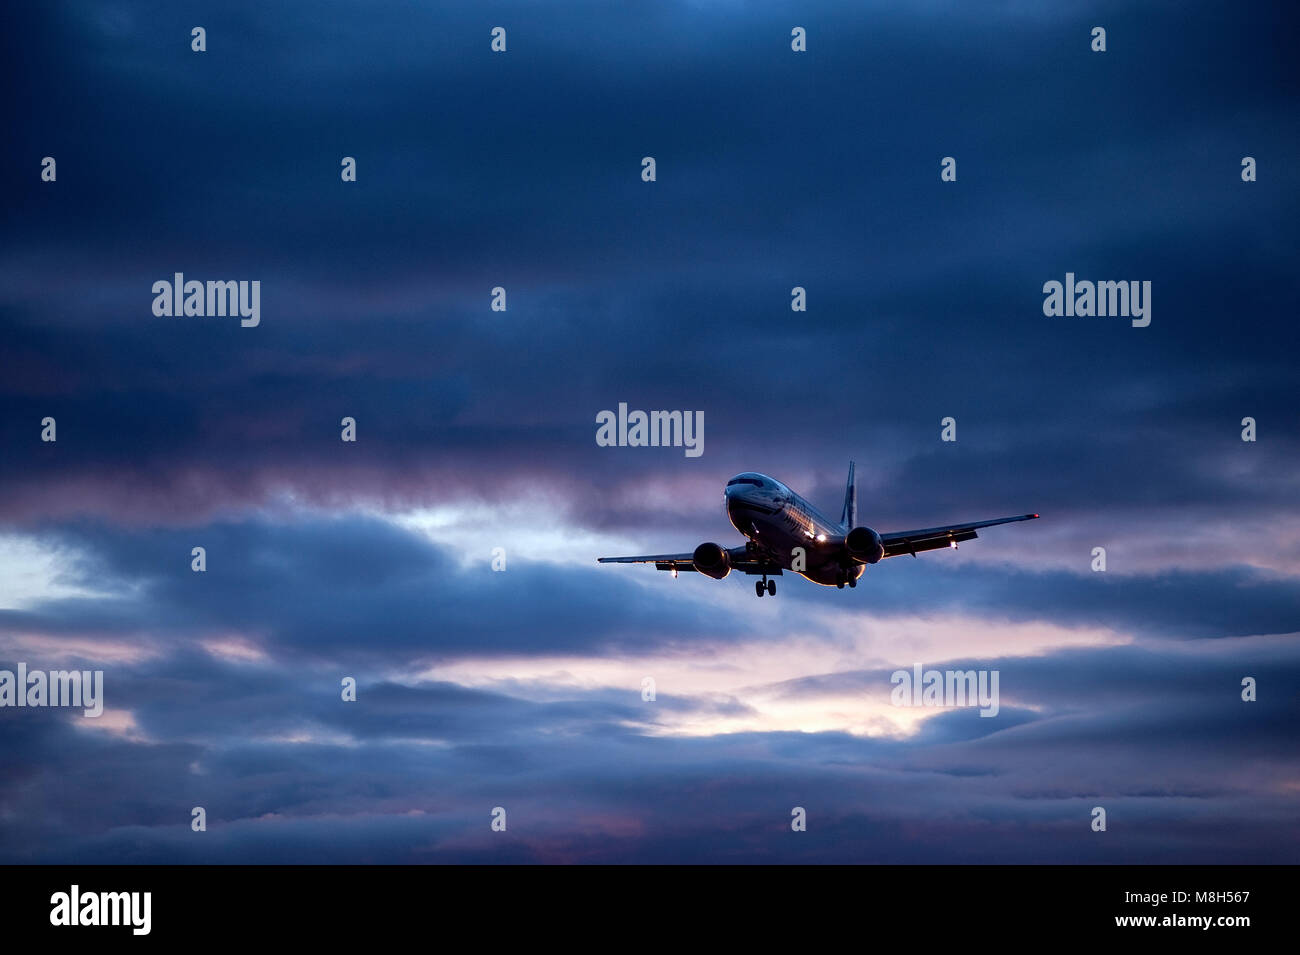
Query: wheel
point(771, 587)
point(853, 581)
point(839, 584)
point(758, 587)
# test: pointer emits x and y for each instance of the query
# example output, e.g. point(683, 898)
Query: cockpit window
point(753, 481)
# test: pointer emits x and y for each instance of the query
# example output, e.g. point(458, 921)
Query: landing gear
point(765, 586)
point(771, 588)
point(846, 578)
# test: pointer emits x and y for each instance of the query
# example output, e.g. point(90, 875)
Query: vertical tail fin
point(849, 516)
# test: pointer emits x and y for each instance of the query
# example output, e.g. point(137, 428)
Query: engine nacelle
point(864, 545)
point(712, 561)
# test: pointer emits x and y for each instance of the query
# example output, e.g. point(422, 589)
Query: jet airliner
point(784, 532)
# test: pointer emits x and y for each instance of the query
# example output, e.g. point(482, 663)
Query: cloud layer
point(523, 688)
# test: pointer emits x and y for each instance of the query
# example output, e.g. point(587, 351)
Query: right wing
point(933, 538)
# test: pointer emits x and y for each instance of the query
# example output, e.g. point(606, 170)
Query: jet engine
point(712, 561)
point(864, 545)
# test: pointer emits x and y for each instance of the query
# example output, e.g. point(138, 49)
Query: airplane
point(777, 522)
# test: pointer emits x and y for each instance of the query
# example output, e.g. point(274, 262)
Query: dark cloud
point(353, 588)
point(521, 170)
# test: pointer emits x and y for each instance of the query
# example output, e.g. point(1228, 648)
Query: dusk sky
point(522, 688)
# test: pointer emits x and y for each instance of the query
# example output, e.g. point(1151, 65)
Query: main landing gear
point(765, 586)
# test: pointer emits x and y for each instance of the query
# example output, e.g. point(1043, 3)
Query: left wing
point(933, 538)
point(740, 557)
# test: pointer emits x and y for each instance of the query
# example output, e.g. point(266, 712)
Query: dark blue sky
point(476, 429)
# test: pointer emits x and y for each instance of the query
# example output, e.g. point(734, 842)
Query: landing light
point(952, 544)
point(821, 538)
point(674, 571)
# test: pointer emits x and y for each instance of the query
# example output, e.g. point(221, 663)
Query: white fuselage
point(776, 521)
